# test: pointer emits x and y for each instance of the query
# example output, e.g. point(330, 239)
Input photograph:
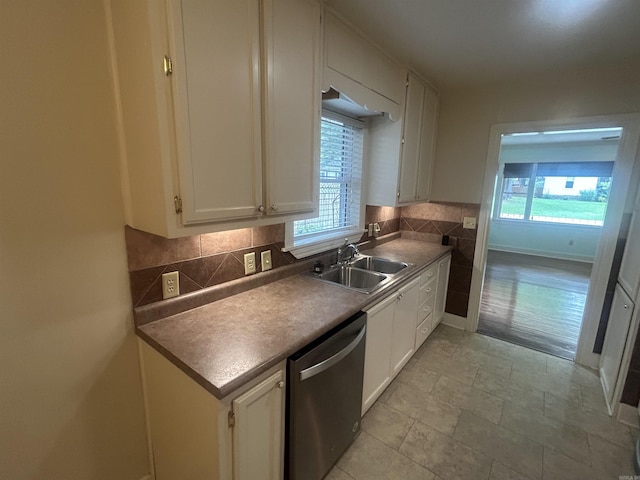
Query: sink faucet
point(344, 250)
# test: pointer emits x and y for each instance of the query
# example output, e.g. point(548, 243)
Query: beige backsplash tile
point(145, 250)
point(222, 242)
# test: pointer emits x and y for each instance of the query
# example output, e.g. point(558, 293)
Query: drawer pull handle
point(280, 384)
point(424, 332)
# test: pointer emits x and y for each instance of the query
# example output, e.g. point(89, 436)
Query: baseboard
point(541, 253)
point(455, 321)
point(628, 414)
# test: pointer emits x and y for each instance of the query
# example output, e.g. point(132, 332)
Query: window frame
point(497, 207)
point(325, 240)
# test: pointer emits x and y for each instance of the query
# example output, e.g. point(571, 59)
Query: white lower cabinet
point(194, 435)
point(391, 330)
point(399, 324)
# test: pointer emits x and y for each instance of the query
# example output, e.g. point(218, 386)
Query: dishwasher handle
point(331, 361)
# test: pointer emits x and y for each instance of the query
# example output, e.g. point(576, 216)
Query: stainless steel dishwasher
point(324, 400)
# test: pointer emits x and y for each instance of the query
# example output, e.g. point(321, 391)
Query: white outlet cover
point(469, 222)
point(170, 285)
point(265, 259)
point(249, 263)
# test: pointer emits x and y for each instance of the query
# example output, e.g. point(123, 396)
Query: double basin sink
point(363, 273)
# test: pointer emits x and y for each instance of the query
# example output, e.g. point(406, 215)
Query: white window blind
point(341, 140)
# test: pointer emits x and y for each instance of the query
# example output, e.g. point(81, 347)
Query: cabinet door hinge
point(231, 417)
point(168, 65)
point(177, 201)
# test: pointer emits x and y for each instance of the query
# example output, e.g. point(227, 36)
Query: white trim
point(604, 254)
point(541, 253)
point(628, 414)
point(455, 321)
point(313, 246)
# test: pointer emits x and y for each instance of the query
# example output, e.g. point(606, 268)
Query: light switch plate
point(170, 285)
point(469, 222)
point(249, 263)
point(265, 259)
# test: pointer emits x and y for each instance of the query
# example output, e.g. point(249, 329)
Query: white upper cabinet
point(356, 68)
point(292, 33)
point(402, 152)
point(220, 108)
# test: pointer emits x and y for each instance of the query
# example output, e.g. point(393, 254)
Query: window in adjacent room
point(570, 192)
point(341, 145)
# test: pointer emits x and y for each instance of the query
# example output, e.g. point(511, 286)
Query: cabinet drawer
point(426, 308)
point(427, 290)
point(423, 331)
point(429, 274)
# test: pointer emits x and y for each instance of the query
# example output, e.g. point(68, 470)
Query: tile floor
point(469, 406)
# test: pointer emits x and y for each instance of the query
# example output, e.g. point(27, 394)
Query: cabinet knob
point(400, 296)
point(626, 306)
point(280, 384)
point(261, 208)
point(274, 207)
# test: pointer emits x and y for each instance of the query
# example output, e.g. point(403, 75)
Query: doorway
point(605, 248)
point(549, 206)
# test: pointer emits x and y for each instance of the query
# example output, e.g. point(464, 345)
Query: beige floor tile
point(589, 421)
point(572, 372)
point(425, 408)
point(337, 474)
point(460, 395)
point(388, 391)
point(418, 376)
point(502, 472)
point(511, 449)
point(557, 466)
point(387, 424)
point(370, 459)
point(593, 399)
point(462, 339)
point(495, 365)
point(444, 456)
point(534, 361)
point(550, 432)
point(439, 344)
point(447, 366)
point(523, 395)
point(547, 383)
point(609, 460)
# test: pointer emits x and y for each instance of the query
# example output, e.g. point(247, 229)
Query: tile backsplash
point(216, 258)
point(429, 222)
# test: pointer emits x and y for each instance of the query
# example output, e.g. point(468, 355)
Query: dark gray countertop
point(224, 344)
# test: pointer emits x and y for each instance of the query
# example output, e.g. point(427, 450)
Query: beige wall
point(70, 393)
point(466, 117)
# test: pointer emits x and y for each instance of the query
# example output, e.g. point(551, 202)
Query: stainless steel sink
point(378, 264)
point(352, 277)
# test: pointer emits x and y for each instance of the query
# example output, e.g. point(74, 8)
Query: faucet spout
point(347, 252)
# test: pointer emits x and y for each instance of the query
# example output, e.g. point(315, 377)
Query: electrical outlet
point(170, 285)
point(249, 263)
point(265, 259)
point(469, 222)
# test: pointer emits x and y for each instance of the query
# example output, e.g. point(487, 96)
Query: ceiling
point(459, 43)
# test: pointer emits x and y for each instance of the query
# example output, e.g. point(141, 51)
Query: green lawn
point(556, 208)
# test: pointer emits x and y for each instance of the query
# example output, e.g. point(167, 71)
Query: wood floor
point(534, 301)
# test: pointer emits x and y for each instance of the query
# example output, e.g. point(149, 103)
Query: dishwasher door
point(324, 400)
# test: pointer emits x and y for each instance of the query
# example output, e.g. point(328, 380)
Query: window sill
point(322, 243)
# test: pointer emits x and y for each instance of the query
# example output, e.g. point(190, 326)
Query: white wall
point(70, 392)
point(568, 242)
point(466, 117)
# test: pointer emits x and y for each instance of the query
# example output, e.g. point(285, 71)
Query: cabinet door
point(629, 276)
point(614, 343)
point(377, 356)
point(292, 104)
point(404, 326)
point(258, 434)
point(441, 289)
point(216, 94)
point(427, 144)
point(411, 132)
